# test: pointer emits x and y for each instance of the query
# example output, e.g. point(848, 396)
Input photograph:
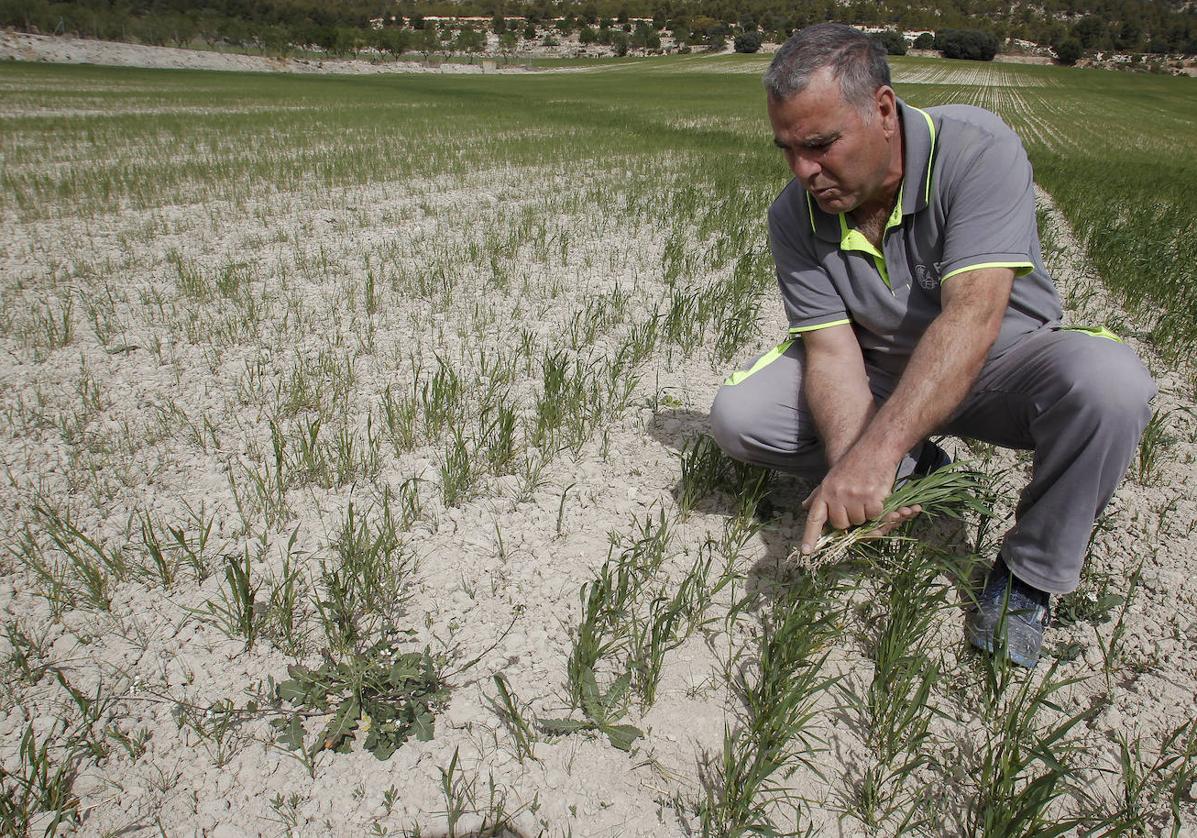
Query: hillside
point(1159, 27)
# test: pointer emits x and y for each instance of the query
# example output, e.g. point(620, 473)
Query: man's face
point(842, 155)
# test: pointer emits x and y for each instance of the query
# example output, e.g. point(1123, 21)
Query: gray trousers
point(1078, 400)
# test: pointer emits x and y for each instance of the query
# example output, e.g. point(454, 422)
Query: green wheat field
point(356, 480)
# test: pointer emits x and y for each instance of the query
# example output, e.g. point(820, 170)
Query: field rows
point(357, 482)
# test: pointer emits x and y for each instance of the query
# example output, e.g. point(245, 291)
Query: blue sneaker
point(1009, 606)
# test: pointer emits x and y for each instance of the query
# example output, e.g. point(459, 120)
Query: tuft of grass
point(29, 654)
point(704, 469)
point(1024, 765)
point(1153, 447)
point(365, 580)
point(283, 619)
point(513, 719)
point(1112, 652)
point(779, 684)
point(1146, 783)
point(237, 612)
point(74, 566)
point(950, 492)
point(897, 707)
point(38, 785)
point(457, 470)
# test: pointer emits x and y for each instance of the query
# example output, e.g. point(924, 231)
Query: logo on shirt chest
point(926, 277)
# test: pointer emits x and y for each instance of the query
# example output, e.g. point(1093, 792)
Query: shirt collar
point(918, 153)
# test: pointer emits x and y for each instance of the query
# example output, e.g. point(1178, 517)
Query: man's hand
point(853, 492)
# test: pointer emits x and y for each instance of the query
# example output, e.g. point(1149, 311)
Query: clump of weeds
point(387, 695)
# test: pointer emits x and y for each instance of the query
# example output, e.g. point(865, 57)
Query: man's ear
point(886, 102)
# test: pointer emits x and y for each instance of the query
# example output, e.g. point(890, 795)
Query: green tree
point(1090, 31)
point(469, 40)
point(747, 42)
point(1069, 51)
point(892, 40)
point(970, 44)
point(924, 41)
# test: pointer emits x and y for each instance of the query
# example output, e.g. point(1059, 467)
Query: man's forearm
point(946, 362)
point(837, 393)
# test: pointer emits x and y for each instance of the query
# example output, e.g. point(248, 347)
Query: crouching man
point(908, 257)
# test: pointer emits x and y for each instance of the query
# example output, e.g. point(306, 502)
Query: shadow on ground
point(782, 517)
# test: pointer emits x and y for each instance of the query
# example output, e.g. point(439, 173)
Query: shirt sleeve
point(810, 299)
point(990, 209)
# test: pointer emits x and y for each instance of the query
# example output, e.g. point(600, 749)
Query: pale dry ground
point(21, 46)
point(164, 393)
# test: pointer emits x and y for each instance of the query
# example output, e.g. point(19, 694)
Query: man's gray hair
point(855, 59)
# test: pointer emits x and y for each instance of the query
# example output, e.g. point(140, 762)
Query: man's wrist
point(880, 449)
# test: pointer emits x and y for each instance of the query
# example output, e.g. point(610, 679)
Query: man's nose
point(804, 168)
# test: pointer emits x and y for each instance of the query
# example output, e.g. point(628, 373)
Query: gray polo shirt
point(967, 201)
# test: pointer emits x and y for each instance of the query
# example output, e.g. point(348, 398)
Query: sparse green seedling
point(1025, 763)
point(163, 565)
point(457, 471)
point(1112, 651)
point(365, 581)
point(704, 469)
point(219, 727)
point(86, 735)
point(897, 706)
point(133, 744)
point(29, 657)
point(513, 719)
point(286, 810)
point(38, 785)
point(561, 507)
point(462, 797)
point(284, 620)
point(778, 685)
point(94, 566)
point(237, 611)
point(1153, 446)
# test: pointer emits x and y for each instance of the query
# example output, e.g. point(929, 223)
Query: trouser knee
point(1113, 393)
point(731, 424)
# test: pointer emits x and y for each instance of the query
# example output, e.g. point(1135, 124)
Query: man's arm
point(836, 388)
point(946, 362)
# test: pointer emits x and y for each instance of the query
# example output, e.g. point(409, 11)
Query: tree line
point(344, 26)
